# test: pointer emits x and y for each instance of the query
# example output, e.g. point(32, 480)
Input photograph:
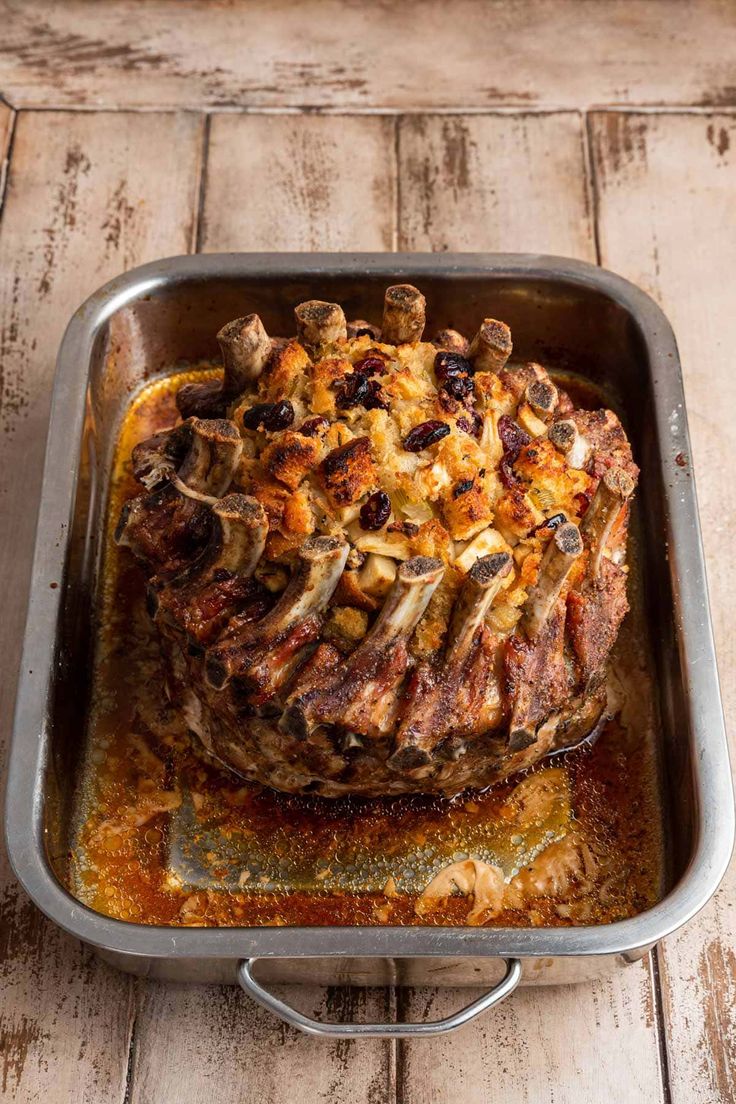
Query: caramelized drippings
point(146, 780)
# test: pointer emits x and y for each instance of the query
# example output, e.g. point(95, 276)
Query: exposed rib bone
point(265, 654)
point(404, 315)
point(236, 544)
point(205, 595)
point(614, 489)
point(542, 398)
point(562, 551)
point(197, 459)
point(245, 348)
point(491, 347)
point(480, 587)
point(362, 694)
point(319, 323)
point(452, 341)
point(566, 437)
point(450, 696)
point(215, 448)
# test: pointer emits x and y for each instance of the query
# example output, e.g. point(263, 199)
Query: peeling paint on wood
point(84, 200)
point(299, 183)
point(339, 53)
point(494, 182)
point(206, 1044)
point(666, 213)
point(561, 1045)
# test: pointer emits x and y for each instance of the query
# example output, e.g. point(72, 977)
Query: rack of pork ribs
point(378, 564)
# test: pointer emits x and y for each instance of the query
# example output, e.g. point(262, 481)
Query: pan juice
point(165, 835)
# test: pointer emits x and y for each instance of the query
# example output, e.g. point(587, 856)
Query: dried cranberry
point(352, 390)
point(272, 416)
point(426, 434)
point(582, 501)
point(462, 487)
point(371, 365)
point(513, 437)
point(448, 364)
point(508, 476)
point(375, 399)
point(472, 424)
point(313, 426)
point(376, 511)
point(458, 386)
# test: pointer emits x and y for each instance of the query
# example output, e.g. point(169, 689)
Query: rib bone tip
point(404, 315)
point(245, 346)
point(492, 346)
point(319, 323)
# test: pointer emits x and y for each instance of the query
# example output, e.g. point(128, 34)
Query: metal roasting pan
point(562, 312)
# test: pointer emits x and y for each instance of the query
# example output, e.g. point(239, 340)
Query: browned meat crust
point(420, 574)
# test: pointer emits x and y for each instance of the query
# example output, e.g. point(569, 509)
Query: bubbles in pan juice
point(165, 835)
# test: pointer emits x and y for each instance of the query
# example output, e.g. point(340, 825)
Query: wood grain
point(85, 199)
point(345, 54)
point(518, 183)
point(286, 182)
point(563, 1045)
point(494, 182)
point(6, 129)
point(666, 187)
point(208, 1045)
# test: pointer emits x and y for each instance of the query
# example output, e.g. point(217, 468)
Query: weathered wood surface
point(89, 194)
point(495, 182)
point(334, 54)
point(518, 183)
point(300, 183)
point(6, 127)
point(211, 1045)
point(85, 199)
point(568, 1045)
point(667, 221)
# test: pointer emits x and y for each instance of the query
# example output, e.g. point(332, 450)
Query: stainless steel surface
point(421, 1030)
point(566, 313)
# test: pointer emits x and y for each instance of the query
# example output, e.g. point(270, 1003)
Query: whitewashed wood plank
point(494, 182)
point(85, 199)
point(518, 183)
point(328, 53)
point(570, 1044)
point(667, 204)
point(211, 1045)
point(302, 183)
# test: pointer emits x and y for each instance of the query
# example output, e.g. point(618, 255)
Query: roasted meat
point(380, 564)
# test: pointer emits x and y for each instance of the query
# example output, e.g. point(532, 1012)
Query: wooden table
point(599, 130)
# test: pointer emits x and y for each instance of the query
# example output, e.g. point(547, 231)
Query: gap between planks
point(494, 114)
point(327, 52)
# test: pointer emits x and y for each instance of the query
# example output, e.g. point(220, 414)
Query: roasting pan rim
point(24, 821)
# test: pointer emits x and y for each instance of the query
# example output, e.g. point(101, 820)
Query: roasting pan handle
point(292, 1016)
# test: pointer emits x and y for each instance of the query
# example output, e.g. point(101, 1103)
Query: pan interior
point(163, 834)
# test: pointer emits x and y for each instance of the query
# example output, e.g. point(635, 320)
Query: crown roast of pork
point(380, 564)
